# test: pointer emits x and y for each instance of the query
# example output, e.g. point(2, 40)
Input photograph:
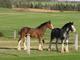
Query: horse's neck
point(43, 28)
point(65, 30)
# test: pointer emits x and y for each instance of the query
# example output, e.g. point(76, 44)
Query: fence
point(76, 42)
point(14, 36)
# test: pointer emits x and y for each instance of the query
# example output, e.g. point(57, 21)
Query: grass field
point(11, 20)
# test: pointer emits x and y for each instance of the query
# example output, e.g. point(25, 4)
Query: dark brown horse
point(37, 32)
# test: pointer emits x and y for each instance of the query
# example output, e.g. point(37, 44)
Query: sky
point(69, 0)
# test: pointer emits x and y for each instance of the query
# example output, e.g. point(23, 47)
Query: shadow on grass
point(60, 43)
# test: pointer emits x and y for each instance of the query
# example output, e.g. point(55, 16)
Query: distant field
point(11, 20)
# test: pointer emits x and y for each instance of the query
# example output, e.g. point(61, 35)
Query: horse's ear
point(49, 21)
point(71, 22)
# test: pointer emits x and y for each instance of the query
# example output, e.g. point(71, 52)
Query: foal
point(37, 32)
point(62, 34)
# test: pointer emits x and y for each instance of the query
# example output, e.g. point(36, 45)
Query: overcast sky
point(73, 0)
point(69, 0)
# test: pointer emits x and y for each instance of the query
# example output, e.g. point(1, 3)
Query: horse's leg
point(40, 45)
point(50, 43)
point(57, 44)
point(43, 41)
point(62, 47)
point(67, 50)
point(25, 45)
point(19, 44)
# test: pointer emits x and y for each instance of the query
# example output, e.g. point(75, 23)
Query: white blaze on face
point(74, 29)
point(52, 26)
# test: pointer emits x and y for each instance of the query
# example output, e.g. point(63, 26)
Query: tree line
point(46, 4)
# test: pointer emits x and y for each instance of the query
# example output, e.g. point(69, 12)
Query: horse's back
point(24, 30)
point(56, 33)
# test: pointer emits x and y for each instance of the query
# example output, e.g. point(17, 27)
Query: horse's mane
point(67, 24)
point(43, 24)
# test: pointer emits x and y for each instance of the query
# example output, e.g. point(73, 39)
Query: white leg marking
point(40, 47)
point(25, 45)
point(67, 49)
point(19, 45)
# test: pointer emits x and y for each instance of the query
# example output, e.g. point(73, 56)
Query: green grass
point(11, 20)
point(45, 58)
point(37, 55)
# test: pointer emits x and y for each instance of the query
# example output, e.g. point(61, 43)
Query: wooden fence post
point(14, 34)
point(28, 44)
point(76, 42)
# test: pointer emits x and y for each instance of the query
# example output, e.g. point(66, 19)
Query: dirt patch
point(34, 10)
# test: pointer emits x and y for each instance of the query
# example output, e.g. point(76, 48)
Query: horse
point(63, 35)
point(37, 32)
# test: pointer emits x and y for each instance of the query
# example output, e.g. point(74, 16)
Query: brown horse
point(37, 32)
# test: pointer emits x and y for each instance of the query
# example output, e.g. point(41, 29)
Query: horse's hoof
point(67, 51)
point(40, 49)
point(49, 49)
point(19, 49)
point(62, 51)
point(25, 49)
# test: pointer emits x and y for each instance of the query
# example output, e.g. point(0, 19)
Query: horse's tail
point(20, 35)
point(20, 32)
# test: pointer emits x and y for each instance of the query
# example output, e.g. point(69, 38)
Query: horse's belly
point(34, 35)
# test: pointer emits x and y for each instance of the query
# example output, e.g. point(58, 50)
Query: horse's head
point(49, 25)
point(71, 27)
